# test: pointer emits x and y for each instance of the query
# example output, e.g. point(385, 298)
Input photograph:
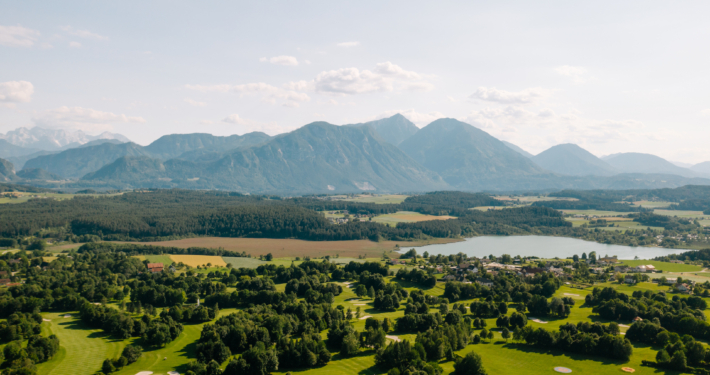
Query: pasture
point(291, 248)
point(199, 260)
point(406, 217)
point(243, 262)
point(665, 266)
point(376, 198)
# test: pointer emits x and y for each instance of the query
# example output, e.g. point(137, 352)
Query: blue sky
point(609, 76)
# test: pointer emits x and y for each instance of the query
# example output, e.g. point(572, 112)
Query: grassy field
point(406, 217)
point(650, 204)
point(198, 260)
point(292, 248)
point(20, 197)
point(242, 262)
point(374, 198)
point(665, 266)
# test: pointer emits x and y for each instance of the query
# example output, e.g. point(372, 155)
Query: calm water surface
point(540, 246)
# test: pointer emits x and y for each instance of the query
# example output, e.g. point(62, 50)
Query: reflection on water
point(540, 246)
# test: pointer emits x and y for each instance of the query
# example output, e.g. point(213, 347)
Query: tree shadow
point(557, 353)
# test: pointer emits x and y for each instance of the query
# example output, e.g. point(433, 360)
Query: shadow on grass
point(556, 352)
point(77, 324)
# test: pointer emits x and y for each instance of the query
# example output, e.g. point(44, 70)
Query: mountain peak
point(393, 129)
point(570, 159)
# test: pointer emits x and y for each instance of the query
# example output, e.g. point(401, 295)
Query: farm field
point(406, 217)
point(290, 248)
point(378, 199)
point(239, 262)
point(199, 260)
point(652, 204)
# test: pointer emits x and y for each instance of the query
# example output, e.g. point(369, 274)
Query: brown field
point(280, 248)
point(199, 260)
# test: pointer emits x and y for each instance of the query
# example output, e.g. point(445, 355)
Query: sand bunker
point(394, 338)
point(536, 320)
point(571, 294)
point(46, 320)
point(366, 316)
point(145, 373)
point(360, 304)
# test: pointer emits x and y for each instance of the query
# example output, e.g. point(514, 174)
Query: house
point(395, 262)
point(597, 270)
point(155, 267)
point(484, 282)
point(683, 288)
point(638, 319)
point(5, 281)
point(629, 279)
point(621, 269)
point(533, 270)
point(645, 268)
point(172, 268)
point(14, 261)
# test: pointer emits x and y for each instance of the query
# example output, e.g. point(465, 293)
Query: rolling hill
point(7, 150)
point(38, 174)
point(572, 160)
point(703, 168)
point(469, 158)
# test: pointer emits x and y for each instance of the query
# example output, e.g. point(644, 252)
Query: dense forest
point(691, 197)
point(178, 213)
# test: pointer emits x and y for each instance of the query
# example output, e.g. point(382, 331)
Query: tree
point(506, 334)
point(350, 345)
point(575, 258)
point(678, 361)
point(662, 357)
point(503, 308)
point(584, 256)
point(371, 292)
point(357, 312)
point(490, 335)
point(361, 290)
point(471, 364)
point(107, 367)
point(484, 334)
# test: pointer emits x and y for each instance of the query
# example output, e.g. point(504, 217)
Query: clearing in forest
point(199, 260)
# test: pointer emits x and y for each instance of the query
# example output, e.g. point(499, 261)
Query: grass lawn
point(165, 259)
point(406, 217)
point(665, 266)
point(243, 262)
point(650, 204)
point(82, 349)
point(379, 199)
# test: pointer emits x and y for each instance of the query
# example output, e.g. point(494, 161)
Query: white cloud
point(247, 125)
point(281, 60)
point(82, 119)
point(348, 44)
point(418, 118)
point(509, 97)
point(385, 77)
point(86, 34)
point(195, 102)
point(705, 112)
point(74, 44)
point(270, 94)
point(542, 129)
point(578, 74)
point(16, 92)
point(17, 36)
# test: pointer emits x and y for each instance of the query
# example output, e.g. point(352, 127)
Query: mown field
point(280, 248)
point(379, 199)
point(407, 217)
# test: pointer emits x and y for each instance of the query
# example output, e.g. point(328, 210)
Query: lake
point(540, 246)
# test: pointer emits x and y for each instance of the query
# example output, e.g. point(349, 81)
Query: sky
point(609, 76)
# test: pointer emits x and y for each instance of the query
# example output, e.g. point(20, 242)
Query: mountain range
point(386, 155)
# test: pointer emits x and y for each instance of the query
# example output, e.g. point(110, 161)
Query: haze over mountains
point(387, 155)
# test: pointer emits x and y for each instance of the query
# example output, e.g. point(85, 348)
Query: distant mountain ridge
point(465, 156)
point(517, 149)
point(54, 139)
point(393, 129)
point(570, 159)
point(318, 157)
point(634, 162)
point(387, 155)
